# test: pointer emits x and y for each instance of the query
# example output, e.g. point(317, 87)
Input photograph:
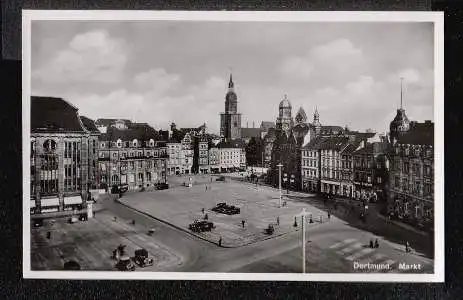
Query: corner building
point(63, 156)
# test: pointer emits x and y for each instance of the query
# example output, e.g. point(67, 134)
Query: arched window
point(151, 143)
point(135, 143)
point(49, 145)
point(102, 145)
point(119, 143)
point(114, 179)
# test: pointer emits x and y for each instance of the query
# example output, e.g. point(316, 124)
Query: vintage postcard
point(298, 146)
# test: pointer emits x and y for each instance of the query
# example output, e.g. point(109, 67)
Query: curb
point(196, 235)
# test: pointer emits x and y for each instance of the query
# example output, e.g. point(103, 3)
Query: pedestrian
point(202, 210)
point(220, 242)
point(278, 220)
point(329, 215)
point(206, 217)
point(376, 243)
point(242, 223)
point(133, 222)
point(371, 243)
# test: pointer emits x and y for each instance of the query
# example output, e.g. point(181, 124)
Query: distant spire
point(401, 93)
point(230, 83)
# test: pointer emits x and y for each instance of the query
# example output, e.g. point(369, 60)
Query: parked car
point(72, 265)
point(141, 258)
point(38, 222)
point(162, 186)
point(223, 208)
point(72, 220)
point(270, 229)
point(83, 217)
point(200, 226)
point(221, 178)
point(125, 264)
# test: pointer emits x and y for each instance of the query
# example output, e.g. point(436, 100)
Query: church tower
point(284, 121)
point(316, 122)
point(400, 124)
point(230, 120)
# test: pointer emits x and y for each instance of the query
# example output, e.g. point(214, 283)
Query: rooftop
point(89, 124)
point(141, 133)
point(418, 134)
point(50, 114)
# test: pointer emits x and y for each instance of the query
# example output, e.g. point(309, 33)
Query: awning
point(32, 203)
point(72, 200)
point(49, 202)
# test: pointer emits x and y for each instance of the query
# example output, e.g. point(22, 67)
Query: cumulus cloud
point(157, 80)
point(89, 57)
point(325, 63)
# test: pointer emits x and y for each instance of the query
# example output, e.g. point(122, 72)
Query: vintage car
point(200, 226)
point(162, 186)
point(221, 178)
point(72, 220)
point(125, 264)
point(37, 222)
point(83, 217)
point(71, 265)
point(118, 189)
point(141, 258)
point(224, 208)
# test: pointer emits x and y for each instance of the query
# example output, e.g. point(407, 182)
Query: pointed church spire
point(401, 93)
point(230, 83)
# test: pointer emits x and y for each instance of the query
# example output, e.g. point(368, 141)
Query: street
point(333, 246)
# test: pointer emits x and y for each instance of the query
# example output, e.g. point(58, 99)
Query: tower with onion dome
point(284, 121)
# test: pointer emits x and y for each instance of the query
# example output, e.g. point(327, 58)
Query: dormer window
point(102, 145)
point(49, 145)
point(135, 143)
point(119, 143)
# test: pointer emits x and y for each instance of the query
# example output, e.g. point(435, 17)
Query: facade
point(62, 156)
point(370, 172)
point(230, 120)
point(331, 149)
point(93, 169)
point(227, 157)
point(132, 156)
point(311, 166)
point(411, 176)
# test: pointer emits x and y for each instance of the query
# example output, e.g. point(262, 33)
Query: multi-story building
point(310, 166)
point(330, 163)
point(227, 157)
point(176, 158)
point(132, 156)
point(187, 154)
point(370, 171)
point(93, 168)
point(411, 176)
point(62, 156)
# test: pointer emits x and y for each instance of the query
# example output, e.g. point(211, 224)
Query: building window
point(140, 154)
point(119, 143)
point(140, 164)
point(131, 165)
point(114, 154)
point(114, 179)
point(397, 181)
point(379, 180)
point(140, 176)
point(131, 154)
point(134, 143)
point(406, 168)
point(102, 145)
point(369, 178)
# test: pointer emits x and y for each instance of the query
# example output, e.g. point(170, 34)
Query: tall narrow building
point(230, 120)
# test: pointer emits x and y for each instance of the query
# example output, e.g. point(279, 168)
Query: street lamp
point(279, 182)
point(285, 179)
point(303, 214)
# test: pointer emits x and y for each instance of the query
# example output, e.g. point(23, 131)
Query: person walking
point(220, 242)
point(242, 223)
point(329, 215)
point(278, 220)
point(202, 210)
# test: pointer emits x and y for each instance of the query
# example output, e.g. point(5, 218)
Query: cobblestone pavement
point(91, 243)
point(259, 206)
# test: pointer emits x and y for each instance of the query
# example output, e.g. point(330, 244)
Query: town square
point(232, 147)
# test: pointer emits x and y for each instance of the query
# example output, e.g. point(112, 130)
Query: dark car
point(223, 208)
point(125, 264)
point(37, 222)
point(117, 189)
point(221, 178)
point(83, 217)
point(141, 258)
point(162, 186)
point(200, 226)
point(71, 265)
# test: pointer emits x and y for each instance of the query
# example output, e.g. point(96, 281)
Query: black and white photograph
point(296, 146)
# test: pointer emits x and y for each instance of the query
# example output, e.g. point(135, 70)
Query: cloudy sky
point(177, 71)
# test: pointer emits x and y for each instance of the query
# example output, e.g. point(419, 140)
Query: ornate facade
point(132, 157)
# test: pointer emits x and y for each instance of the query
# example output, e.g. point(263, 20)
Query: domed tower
point(230, 120)
point(284, 121)
point(400, 124)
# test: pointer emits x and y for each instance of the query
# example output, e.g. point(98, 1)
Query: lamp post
point(279, 182)
point(285, 179)
point(303, 214)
